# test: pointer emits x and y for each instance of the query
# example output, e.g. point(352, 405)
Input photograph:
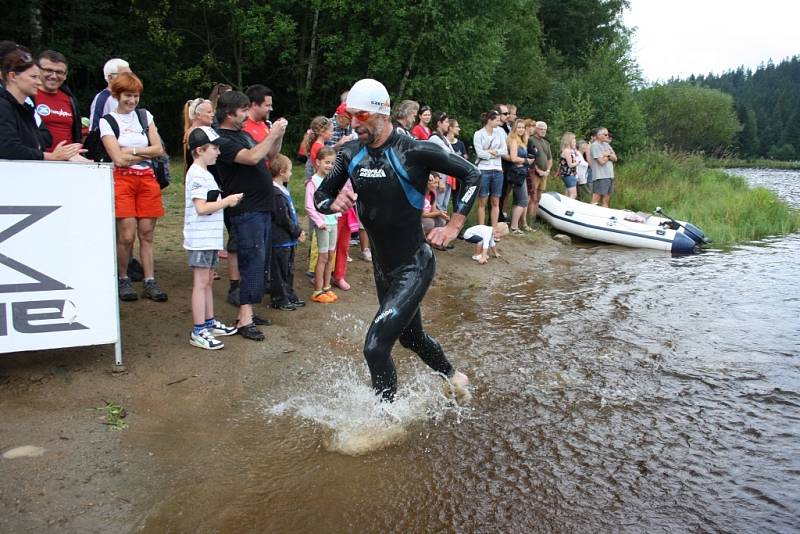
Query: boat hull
point(613, 226)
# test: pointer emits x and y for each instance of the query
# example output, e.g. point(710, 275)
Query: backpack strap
point(98, 108)
point(142, 114)
point(111, 122)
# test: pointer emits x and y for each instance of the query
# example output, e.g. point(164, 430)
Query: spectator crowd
point(237, 179)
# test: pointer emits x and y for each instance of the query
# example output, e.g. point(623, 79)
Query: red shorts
point(137, 194)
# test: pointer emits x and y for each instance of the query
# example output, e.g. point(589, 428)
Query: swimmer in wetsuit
point(389, 173)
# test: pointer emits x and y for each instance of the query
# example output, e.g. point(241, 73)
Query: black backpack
point(96, 151)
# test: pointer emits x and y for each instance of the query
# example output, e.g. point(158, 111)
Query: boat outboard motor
point(692, 231)
point(697, 234)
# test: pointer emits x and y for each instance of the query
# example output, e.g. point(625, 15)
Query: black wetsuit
point(390, 182)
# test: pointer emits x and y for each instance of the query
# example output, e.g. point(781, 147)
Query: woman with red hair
point(131, 139)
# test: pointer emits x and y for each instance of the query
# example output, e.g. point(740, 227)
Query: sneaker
point(126, 291)
point(153, 292)
point(298, 303)
point(249, 331)
point(349, 259)
point(219, 329)
point(366, 254)
point(205, 340)
point(261, 321)
point(233, 297)
point(288, 306)
point(322, 297)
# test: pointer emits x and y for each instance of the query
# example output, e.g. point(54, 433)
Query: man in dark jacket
point(55, 103)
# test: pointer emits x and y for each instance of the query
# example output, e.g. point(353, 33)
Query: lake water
point(624, 390)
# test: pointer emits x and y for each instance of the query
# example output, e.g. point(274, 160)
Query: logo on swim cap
point(369, 95)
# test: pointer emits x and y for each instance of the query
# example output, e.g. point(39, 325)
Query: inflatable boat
point(620, 227)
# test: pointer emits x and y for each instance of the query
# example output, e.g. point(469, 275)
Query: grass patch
point(723, 206)
point(114, 415)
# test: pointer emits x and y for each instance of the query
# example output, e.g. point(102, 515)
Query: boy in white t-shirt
point(202, 236)
point(484, 238)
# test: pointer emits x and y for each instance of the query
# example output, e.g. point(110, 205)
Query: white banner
point(58, 285)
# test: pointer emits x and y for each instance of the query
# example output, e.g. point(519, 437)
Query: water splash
point(342, 402)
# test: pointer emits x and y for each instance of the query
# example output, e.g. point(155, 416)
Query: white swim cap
point(369, 95)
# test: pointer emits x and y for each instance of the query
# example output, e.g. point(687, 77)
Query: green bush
point(690, 118)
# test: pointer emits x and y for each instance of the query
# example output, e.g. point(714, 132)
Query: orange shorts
point(137, 194)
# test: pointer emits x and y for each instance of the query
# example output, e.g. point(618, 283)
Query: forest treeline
point(461, 56)
point(767, 103)
point(567, 62)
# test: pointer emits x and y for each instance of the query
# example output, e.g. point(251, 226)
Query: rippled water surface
point(638, 393)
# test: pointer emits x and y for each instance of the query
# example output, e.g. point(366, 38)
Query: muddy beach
point(183, 404)
point(615, 389)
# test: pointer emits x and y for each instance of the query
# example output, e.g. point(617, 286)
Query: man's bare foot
point(458, 385)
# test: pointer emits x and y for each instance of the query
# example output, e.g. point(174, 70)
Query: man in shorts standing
point(257, 125)
point(539, 147)
point(242, 168)
point(603, 158)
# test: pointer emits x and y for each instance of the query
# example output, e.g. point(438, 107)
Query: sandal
point(516, 231)
point(321, 297)
point(249, 331)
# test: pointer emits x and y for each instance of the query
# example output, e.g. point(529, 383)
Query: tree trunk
point(312, 53)
point(411, 59)
point(36, 24)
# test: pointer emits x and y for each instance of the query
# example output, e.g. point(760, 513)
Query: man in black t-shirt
point(242, 168)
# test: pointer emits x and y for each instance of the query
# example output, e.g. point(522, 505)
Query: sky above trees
point(684, 37)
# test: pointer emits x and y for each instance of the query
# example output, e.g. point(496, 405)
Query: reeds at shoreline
point(724, 206)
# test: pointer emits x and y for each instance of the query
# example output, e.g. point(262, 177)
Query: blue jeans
point(443, 197)
point(252, 231)
point(491, 184)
